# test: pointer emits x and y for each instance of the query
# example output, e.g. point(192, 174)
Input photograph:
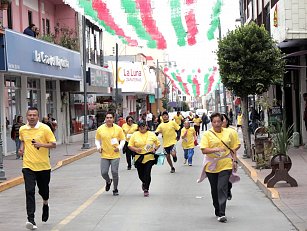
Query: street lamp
point(2, 172)
point(86, 144)
point(158, 79)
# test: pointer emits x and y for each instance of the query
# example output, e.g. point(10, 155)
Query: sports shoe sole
point(30, 226)
point(222, 219)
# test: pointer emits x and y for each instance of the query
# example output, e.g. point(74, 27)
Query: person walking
point(197, 122)
point(233, 131)
point(239, 121)
point(189, 138)
point(149, 120)
point(144, 143)
point(230, 116)
point(170, 137)
point(129, 128)
point(216, 144)
point(204, 121)
point(15, 134)
point(109, 140)
point(36, 139)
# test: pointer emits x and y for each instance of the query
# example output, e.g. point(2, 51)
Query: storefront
point(99, 101)
point(32, 73)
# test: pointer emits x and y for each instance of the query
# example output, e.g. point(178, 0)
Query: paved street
point(176, 202)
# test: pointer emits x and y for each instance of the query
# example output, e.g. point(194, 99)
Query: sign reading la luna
point(56, 61)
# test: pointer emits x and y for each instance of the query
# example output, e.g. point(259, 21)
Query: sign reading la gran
point(56, 61)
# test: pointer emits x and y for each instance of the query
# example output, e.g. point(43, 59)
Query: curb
point(19, 180)
point(271, 193)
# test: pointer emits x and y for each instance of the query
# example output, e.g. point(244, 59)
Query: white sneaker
point(31, 226)
point(185, 161)
point(222, 219)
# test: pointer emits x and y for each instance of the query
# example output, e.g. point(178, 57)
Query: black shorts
point(238, 126)
point(169, 149)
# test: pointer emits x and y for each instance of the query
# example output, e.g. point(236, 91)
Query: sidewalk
point(292, 201)
point(62, 155)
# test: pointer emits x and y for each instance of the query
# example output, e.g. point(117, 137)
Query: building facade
point(286, 20)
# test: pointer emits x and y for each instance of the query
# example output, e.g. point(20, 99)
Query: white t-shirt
point(149, 117)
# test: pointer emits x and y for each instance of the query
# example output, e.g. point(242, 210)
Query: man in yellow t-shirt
point(109, 140)
point(169, 137)
point(188, 136)
point(36, 139)
point(129, 128)
point(239, 121)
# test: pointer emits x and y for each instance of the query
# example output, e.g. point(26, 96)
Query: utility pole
point(158, 87)
point(2, 172)
point(116, 79)
point(86, 144)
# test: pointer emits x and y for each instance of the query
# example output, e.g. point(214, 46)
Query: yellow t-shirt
point(129, 130)
point(147, 141)
point(235, 136)
point(178, 119)
point(169, 133)
point(239, 120)
point(108, 135)
point(188, 141)
point(209, 140)
point(197, 121)
point(33, 158)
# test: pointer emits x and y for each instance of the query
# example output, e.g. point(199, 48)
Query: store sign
point(133, 77)
point(56, 61)
point(25, 54)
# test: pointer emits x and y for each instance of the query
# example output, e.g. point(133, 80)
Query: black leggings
point(219, 190)
point(144, 171)
point(42, 178)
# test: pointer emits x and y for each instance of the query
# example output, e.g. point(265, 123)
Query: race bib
point(114, 141)
point(128, 136)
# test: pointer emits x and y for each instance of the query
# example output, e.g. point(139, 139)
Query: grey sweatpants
point(104, 169)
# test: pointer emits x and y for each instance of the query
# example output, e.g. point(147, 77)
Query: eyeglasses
point(129, 120)
point(142, 126)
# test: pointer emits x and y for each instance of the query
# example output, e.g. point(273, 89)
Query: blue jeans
point(188, 154)
point(18, 142)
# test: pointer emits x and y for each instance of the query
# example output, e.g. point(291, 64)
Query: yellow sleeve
point(176, 126)
point(204, 143)
point(159, 128)
point(131, 141)
point(50, 136)
point(121, 134)
point(157, 141)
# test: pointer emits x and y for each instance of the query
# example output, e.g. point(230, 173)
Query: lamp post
point(2, 172)
point(86, 144)
point(116, 79)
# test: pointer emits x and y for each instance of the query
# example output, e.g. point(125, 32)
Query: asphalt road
point(176, 202)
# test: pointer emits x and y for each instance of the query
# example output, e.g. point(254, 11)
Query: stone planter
point(281, 164)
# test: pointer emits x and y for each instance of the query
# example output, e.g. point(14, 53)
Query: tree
point(249, 63)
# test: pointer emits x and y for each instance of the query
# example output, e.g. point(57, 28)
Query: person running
point(109, 140)
point(197, 122)
point(226, 125)
point(170, 137)
point(144, 143)
point(219, 160)
point(129, 128)
point(36, 138)
point(15, 134)
point(188, 136)
point(178, 118)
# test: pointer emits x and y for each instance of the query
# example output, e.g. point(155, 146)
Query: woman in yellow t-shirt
point(218, 163)
point(144, 143)
point(129, 128)
point(197, 122)
point(188, 136)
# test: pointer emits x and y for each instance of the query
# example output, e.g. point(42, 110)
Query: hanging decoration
point(150, 24)
point(215, 19)
point(191, 23)
point(104, 15)
point(130, 9)
point(211, 79)
point(177, 22)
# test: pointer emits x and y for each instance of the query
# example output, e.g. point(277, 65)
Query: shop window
point(51, 102)
point(47, 26)
point(33, 93)
point(77, 113)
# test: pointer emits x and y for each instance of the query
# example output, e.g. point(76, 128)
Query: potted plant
point(5, 4)
point(280, 162)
